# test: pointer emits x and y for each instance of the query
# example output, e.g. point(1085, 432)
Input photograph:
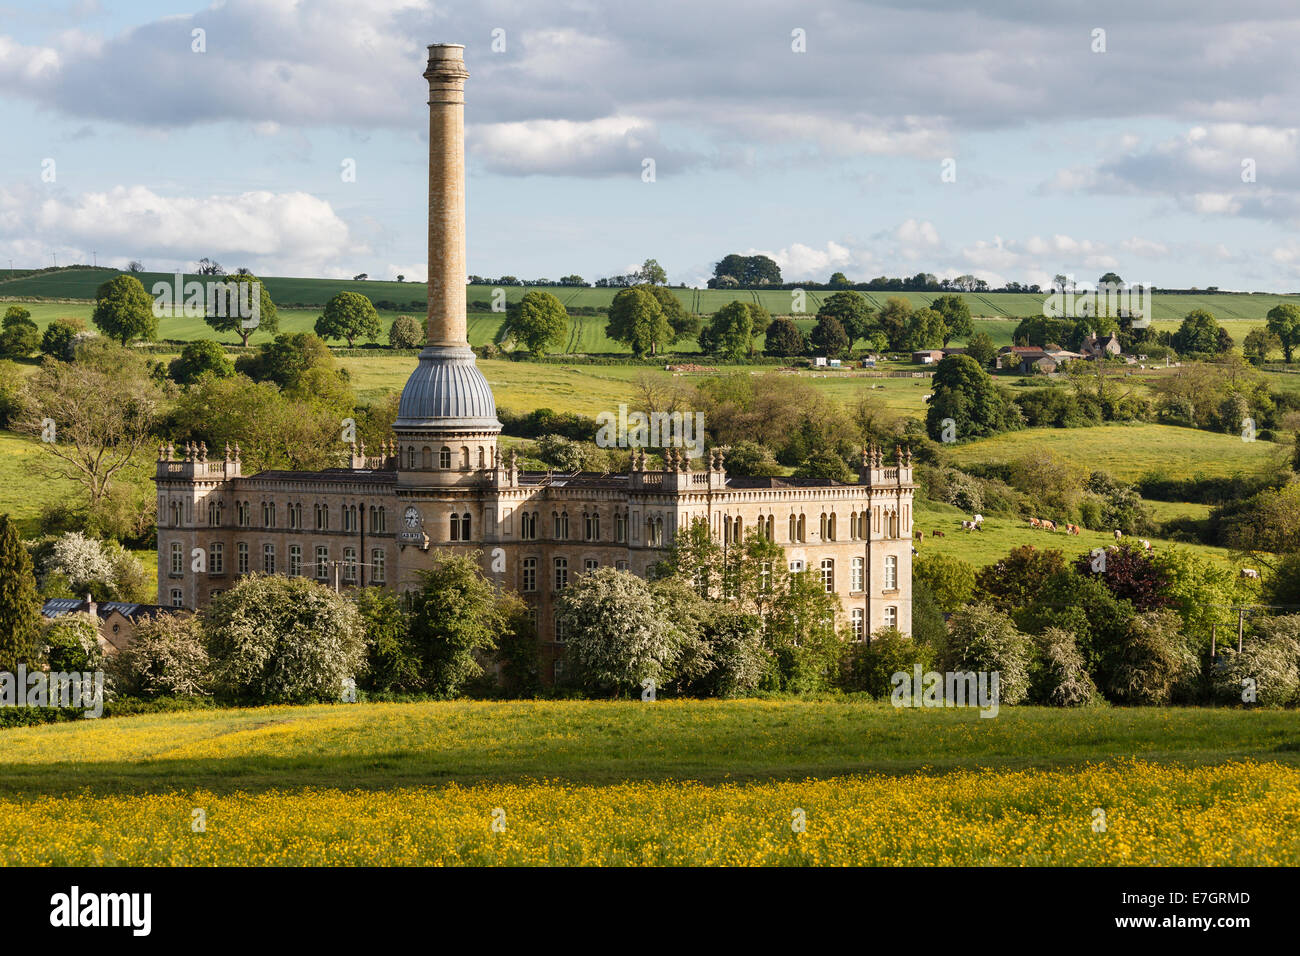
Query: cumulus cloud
point(258, 228)
point(335, 62)
point(609, 146)
point(1216, 169)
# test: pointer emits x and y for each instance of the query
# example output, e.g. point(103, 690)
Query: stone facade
point(444, 485)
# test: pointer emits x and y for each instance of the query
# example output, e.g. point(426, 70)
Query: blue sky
point(1067, 158)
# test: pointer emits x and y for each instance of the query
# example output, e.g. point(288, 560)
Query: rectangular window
point(377, 562)
point(561, 630)
point(828, 575)
point(530, 575)
point(178, 597)
point(350, 565)
point(561, 573)
point(620, 528)
point(796, 566)
point(891, 573)
point(322, 563)
point(620, 565)
point(178, 559)
point(857, 624)
point(217, 558)
point(855, 575)
point(891, 617)
point(242, 558)
point(591, 564)
point(268, 558)
point(295, 560)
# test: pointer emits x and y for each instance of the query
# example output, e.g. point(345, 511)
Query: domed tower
point(447, 422)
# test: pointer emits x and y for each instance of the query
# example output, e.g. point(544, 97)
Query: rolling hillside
point(81, 283)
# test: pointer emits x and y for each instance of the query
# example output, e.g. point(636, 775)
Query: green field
point(81, 283)
point(669, 782)
point(1129, 451)
point(1000, 535)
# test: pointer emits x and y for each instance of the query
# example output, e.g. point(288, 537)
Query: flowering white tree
point(618, 635)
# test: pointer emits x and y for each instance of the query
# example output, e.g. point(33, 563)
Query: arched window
point(830, 527)
point(794, 528)
point(481, 457)
point(864, 526)
point(464, 458)
point(410, 458)
point(464, 527)
point(454, 531)
point(803, 529)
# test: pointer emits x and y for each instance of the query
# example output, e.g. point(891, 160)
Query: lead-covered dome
point(447, 390)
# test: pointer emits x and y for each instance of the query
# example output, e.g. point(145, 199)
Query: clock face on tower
point(412, 517)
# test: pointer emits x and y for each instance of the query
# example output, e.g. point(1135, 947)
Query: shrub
point(1058, 674)
point(72, 643)
point(1155, 661)
point(166, 658)
point(198, 358)
point(1271, 660)
point(981, 638)
point(618, 635)
point(737, 653)
point(870, 667)
point(276, 639)
point(951, 580)
point(57, 338)
point(457, 619)
point(391, 661)
point(406, 332)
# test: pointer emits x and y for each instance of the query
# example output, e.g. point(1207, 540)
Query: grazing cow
point(1118, 534)
point(1249, 573)
point(920, 536)
point(936, 534)
point(1049, 525)
point(1146, 545)
point(979, 520)
point(1071, 529)
point(1035, 523)
point(967, 525)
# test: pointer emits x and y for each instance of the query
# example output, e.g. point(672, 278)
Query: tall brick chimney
point(446, 74)
point(446, 403)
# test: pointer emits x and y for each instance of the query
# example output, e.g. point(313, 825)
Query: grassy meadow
point(672, 782)
point(1129, 451)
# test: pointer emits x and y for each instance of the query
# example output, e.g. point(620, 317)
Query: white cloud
point(610, 145)
point(259, 226)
